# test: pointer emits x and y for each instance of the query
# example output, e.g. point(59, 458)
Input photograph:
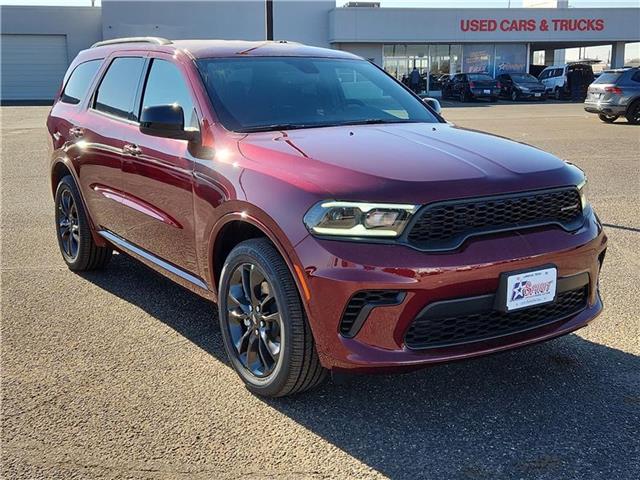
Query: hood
point(530, 84)
point(405, 162)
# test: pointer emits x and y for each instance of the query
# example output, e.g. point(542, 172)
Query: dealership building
point(39, 42)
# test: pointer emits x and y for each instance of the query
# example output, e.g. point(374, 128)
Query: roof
point(223, 48)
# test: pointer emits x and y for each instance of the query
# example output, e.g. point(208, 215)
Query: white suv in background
point(554, 78)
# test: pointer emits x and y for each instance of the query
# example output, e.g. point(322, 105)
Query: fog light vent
point(360, 306)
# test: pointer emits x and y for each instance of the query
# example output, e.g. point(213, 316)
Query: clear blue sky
point(390, 3)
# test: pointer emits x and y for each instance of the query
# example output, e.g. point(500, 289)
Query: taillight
point(498, 85)
point(616, 90)
point(472, 85)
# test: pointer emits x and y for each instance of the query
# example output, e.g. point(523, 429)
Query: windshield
point(280, 93)
point(524, 78)
point(478, 77)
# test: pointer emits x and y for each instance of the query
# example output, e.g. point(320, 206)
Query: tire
point(608, 118)
point(633, 113)
point(514, 96)
point(557, 94)
point(256, 263)
point(77, 247)
point(464, 96)
point(493, 99)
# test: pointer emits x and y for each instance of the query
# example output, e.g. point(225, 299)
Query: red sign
point(532, 25)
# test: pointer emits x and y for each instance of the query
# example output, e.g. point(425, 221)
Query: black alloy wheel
point(633, 114)
point(75, 240)
point(254, 320)
point(262, 320)
point(68, 225)
point(607, 118)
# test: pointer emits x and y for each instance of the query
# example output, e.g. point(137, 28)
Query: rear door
point(158, 172)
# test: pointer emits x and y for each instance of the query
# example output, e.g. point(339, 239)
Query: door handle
point(76, 132)
point(132, 149)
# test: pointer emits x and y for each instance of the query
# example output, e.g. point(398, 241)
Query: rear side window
point(117, 91)
point(636, 77)
point(608, 77)
point(166, 86)
point(79, 82)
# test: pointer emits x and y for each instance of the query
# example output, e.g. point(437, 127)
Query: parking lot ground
point(122, 374)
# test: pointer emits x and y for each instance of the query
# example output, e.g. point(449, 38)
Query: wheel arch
point(60, 168)
point(237, 227)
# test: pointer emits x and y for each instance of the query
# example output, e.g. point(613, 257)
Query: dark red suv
point(337, 220)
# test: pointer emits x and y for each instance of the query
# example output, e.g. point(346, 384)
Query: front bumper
point(541, 95)
point(605, 108)
point(336, 270)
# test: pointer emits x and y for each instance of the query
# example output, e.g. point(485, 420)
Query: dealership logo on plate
point(530, 289)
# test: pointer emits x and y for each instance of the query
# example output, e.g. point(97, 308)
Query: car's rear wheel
point(264, 327)
point(633, 113)
point(608, 118)
point(76, 243)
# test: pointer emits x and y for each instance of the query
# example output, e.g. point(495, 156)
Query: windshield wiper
point(375, 121)
point(278, 126)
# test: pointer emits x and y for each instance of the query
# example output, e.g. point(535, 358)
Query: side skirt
point(178, 275)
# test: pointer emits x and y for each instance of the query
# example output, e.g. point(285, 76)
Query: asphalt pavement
point(122, 374)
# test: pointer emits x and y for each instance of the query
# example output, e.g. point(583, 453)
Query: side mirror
point(434, 104)
point(165, 121)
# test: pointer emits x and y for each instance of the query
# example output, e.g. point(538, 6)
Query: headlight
point(582, 190)
point(524, 89)
point(358, 219)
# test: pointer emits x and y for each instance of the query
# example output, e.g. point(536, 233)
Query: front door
point(158, 172)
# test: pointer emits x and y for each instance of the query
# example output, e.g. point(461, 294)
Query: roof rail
point(114, 41)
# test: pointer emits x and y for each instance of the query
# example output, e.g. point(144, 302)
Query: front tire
point(77, 247)
point(514, 96)
point(607, 118)
point(263, 324)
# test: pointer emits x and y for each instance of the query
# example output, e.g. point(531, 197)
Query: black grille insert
point(360, 306)
point(446, 225)
point(444, 328)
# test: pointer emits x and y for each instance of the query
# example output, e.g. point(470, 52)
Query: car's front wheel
point(78, 249)
point(263, 323)
point(514, 95)
point(607, 118)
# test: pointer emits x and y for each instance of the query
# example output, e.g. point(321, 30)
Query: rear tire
point(264, 327)
point(633, 113)
point(608, 118)
point(557, 94)
point(75, 240)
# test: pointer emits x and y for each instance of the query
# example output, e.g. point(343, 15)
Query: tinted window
point(166, 86)
point(294, 92)
point(636, 76)
point(523, 77)
point(79, 81)
point(117, 91)
point(544, 75)
point(608, 77)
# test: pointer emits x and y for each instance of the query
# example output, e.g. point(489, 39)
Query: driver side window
point(165, 85)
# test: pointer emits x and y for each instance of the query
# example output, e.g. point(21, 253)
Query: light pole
point(269, 18)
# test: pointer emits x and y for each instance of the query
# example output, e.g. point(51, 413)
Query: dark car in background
point(471, 86)
point(614, 94)
point(521, 86)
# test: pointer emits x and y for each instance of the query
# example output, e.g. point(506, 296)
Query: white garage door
point(32, 66)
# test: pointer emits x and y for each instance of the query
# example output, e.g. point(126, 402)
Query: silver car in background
point(615, 93)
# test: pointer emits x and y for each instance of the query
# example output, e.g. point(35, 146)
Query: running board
point(166, 266)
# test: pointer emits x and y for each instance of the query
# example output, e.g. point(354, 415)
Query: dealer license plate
point(530, 288)
point(487, 92)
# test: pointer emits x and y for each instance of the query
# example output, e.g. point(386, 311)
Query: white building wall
point(304, 21)
point(225, 19)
